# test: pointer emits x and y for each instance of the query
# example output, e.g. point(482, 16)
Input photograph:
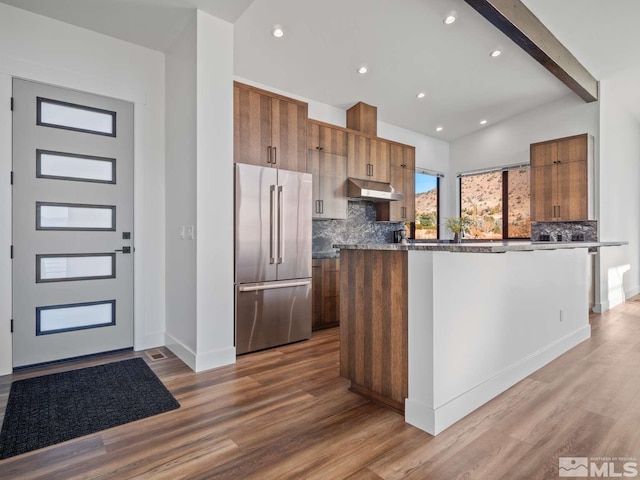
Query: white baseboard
point(215, 359)
point(202, 361)
point(632, 292)
point(609, 303)
point(435, 420)
point(149, 341)
point(181, 351)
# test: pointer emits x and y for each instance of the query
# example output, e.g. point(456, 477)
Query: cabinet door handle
point(269, 154)
point(403, 212)
point(321, 206)
point(275, 155)
point(558, 211)
point(371, 169)
point(317, 206)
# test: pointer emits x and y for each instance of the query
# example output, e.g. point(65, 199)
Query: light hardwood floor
point(286, 414)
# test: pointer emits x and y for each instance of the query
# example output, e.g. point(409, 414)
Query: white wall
point(619, 168)
point(215, 293)
point(507, 142)
point(45, 50)
point(180, 187)
point(5, 226)
point(200, 300)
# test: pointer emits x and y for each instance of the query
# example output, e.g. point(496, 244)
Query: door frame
point(87, 84)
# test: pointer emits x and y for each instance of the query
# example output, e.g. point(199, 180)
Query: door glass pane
point(68, 166)
point(79, 316)
point(53, 113)
point(56, 268)
point(60, 216)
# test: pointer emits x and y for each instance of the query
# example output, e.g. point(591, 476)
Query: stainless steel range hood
point(370, 190)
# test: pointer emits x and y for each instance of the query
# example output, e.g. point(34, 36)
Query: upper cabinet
point(402, 172)
point(326, 138)
point(327, 162)
point(369, 158)
point(269, 130)
point(559, 179)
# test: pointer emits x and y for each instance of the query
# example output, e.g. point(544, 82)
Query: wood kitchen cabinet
point(559, 179)
point(326, 138)
point(327, 162)
point(326, 293)
point(368, 158)
point(403, 163)
point(269, 129)
point(329, 184)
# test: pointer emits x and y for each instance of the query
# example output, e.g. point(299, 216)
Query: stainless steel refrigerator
point(272, 257)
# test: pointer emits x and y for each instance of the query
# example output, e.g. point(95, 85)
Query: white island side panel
point(480, 323)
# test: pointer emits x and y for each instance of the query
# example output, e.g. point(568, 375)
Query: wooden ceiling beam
point(518, 23)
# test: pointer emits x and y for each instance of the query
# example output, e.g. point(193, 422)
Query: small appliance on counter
point(272, 257)
point(400, 236)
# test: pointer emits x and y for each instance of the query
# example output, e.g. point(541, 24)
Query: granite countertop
point(480, 247)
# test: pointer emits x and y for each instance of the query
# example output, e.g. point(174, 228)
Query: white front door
point(72, 224)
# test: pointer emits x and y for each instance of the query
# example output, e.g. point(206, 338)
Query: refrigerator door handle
point(281, 232)
point(272, 232)
point(254, 288)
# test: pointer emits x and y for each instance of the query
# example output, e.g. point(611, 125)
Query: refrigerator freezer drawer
point(272, 313)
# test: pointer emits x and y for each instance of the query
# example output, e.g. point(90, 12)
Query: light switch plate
point(190, 232)
point(181, 232)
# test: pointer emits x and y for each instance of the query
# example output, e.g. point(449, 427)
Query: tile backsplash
point(564, 231)
point(359, 227)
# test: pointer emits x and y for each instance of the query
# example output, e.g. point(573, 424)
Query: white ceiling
point(151, 23)
point(403, 42)
point(407, 48)
point(603, 35)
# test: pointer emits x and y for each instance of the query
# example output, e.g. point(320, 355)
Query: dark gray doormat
point(46, 410)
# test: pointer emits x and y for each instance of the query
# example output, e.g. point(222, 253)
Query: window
point(497, 203)
point(426, 225)
point(79, 118)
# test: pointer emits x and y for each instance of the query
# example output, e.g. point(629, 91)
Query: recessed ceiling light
point(439, 129)
point(420, 95)
point(449, 19)
point(496, 53)
point(277, 32)
point(362, 70)
point(483, 122)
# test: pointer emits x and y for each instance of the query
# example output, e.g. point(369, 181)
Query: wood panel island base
point(440, 329)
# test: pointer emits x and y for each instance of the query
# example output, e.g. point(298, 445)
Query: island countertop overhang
point(480, 247)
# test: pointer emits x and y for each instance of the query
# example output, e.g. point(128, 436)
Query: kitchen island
point(435, 330)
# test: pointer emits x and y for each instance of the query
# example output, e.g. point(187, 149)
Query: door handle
point(269, 154)
point(281, 225)
point(558, 211)
point(275, 155)
point(321, 206)
point(124, 250)
point(272, 231)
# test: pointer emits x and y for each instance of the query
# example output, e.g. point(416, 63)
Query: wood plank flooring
point(286, 414)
